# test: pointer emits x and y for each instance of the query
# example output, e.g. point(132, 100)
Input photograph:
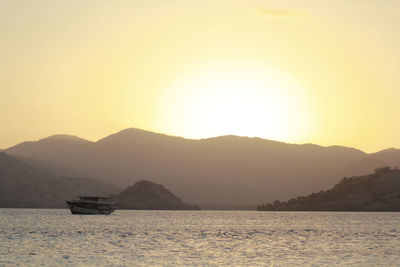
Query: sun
point(241, 101)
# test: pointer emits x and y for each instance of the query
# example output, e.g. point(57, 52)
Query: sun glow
point(242, 101)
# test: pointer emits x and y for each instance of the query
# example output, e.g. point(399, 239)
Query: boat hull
point(77, 209)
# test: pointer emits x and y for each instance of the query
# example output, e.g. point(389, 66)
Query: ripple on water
point(169, 238)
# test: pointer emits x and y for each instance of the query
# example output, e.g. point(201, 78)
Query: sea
point(54, 237)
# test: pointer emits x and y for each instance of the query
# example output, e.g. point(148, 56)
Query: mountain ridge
point(137, 131)
point(225, 170)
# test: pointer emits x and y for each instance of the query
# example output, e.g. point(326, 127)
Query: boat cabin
point(97, 199)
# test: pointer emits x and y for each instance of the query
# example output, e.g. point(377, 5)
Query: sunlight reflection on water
point(171, 238)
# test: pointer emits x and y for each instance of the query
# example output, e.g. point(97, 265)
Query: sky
point(315, 71)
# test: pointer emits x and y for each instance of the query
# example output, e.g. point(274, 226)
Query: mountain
point(24, 186)
point(216, 172)
point(379, 191)
point(52, 153)
point(387, 157)
point(145, 195)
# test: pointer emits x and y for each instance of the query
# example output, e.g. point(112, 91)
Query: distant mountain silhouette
point(387, 157)
point(23, 186)
point(379, 191)
point(226, 170)
point(145, 195)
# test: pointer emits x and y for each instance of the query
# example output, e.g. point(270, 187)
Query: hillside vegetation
point(379, 191)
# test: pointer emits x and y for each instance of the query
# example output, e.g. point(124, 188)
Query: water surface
point(173, 238)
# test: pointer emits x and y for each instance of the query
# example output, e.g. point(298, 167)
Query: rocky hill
point(145, 195)
point(24, 186)
point(379, 191)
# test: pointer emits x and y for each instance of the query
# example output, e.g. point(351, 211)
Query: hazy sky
point(324, 72)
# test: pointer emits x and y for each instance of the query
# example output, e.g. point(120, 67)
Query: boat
point(92, 205)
